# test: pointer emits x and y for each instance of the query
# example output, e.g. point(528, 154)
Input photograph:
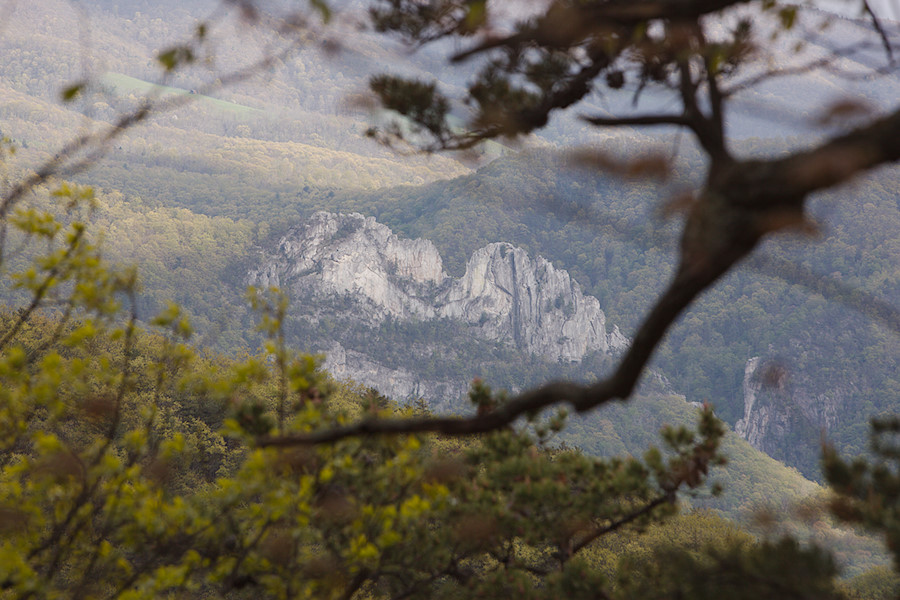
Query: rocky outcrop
point(756, 420)
point(779, 408)
point(529, 302)
point(504, 295)
point(393, 383)
point(354, 255)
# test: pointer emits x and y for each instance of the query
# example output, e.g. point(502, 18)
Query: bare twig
point(638, 121)
point(618, 524)
point(876, 22)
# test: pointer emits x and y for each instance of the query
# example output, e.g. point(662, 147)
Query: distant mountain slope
point(239, 152)
point(379, 294)
point(201, 262)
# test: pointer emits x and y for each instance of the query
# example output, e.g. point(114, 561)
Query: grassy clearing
point(125, 84)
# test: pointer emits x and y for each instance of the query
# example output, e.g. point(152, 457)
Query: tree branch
point(716, 120)
point(880, 29)
point(733, 213)
point(725, 225)
point(565, 25)
point(708, 131)
point(600, 531)
point(638, 121)
point(629, 10)
point(768, 187)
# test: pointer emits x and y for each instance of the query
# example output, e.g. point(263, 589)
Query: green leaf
point(476, 16)
point(173, 57)
point(323, 9)
point(788, 16)
point(70, 93)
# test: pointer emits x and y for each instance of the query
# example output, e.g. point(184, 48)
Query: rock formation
point(779, 408)
point(529, 302)
point(351, 268)
point(354, 255)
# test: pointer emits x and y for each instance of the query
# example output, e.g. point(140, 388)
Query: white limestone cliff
point(504, 294)
point(749, 426)
point(511, 297)
point(352, 254)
